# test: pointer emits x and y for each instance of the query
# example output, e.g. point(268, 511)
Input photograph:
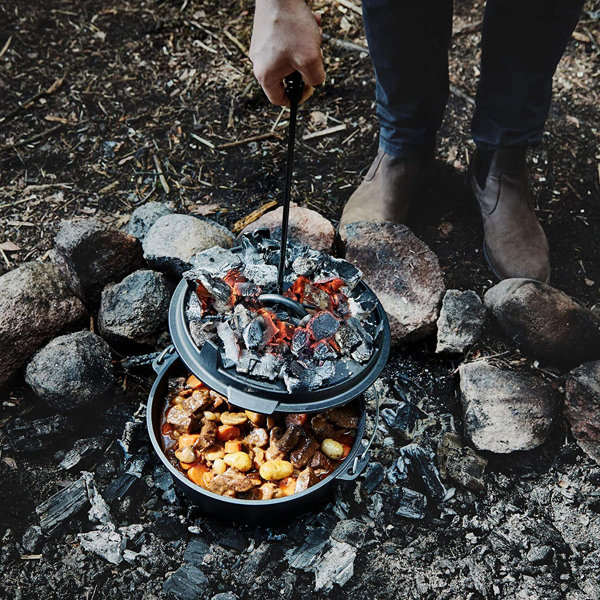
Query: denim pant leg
point(408, 43)
point(522, 42)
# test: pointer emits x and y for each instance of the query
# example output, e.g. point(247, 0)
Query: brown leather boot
point(386, 191)
point(514, 242)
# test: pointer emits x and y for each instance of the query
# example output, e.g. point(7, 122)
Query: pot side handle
point(362, 459)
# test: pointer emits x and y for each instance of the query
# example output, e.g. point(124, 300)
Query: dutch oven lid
point(267, 397)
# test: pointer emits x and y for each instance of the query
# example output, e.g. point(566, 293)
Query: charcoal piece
point(304, 266)
point(420, 467)
point(373, 477)
point(195, 551)
point(62, 506)
point(119, 487)
point(168, 528)
point(316, 297)
point(105, 542)
point(82, 451)
point(412, 504)
point(33, 539)
point(304, 556)
point(241, 317)
point(246, 361)
point(187, 583)
point(324, 372)
point(323, 325)
point(263, 275)
point(300, 341)
point(219, 292)
point(203, 331)
point(193, 308)
point(253, 334)
point(24, 436)
point(269, 330)
point(268, 367)
point(404, 418)
point(348, 337)
point(231, 349)
point(215, 261)
point(338, 267)
point(351, 531)
point(246, 289)
point(362, 353)
point(324, 351)
point(344, 369)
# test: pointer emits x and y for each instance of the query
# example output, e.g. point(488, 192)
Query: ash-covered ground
point(153, 87)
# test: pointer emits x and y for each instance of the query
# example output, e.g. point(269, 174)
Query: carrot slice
point(227, 432)
point(194, 382)
point(200, 475)
point(188, 439)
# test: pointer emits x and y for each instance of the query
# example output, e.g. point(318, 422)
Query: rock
point(461, 463)
point(545, 322)
point(403, 272)
point(173, 240)
point(96, 255)
point(412, 505)
point(582, 407)
point(143, 217)
point(62, 506)
point(36, 304)
point(306, 227)
point(72, 371)
point(27, 437)
point(135, 310)
point(33, 539)
point(505, 411)
point(462, 318)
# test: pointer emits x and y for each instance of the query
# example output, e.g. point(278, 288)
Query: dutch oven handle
point(362, 460)
point(164, 360)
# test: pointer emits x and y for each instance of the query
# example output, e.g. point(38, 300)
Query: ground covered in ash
point(105, 107)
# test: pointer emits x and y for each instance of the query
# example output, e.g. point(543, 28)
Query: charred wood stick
point(462, 94)
point(30, 101)
point(345, 44)
point(254, 138)
point(161, 175)
point(468, 28)
point(141, 360)
point(34, 138)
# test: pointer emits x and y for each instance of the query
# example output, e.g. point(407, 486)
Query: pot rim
point(184, 481)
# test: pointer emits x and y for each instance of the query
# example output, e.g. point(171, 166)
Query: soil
point(95, 97)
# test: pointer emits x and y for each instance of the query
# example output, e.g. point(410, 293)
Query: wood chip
point(351, 6)
point(253, 216)
point(324, 132)
point(203, 209)
point(9, 246)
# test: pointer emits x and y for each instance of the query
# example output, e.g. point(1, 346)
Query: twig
point(254, 138)
point(468, 28)
point(253, 216)
point(592, 39)
point(5, 258)
point(34, 138)
point(324, 132)
point(350, 5)
point(237, 42)
point(203, 141)
point(462, 94)
point(161, 175)
point(346, 45)
point(25, 105)
point(6, 46)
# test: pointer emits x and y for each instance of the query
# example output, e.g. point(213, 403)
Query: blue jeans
point(522, 42)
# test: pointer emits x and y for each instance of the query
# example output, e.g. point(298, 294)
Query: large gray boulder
point(582, 407)
point(306, 227)
point(174, 239)
point(545, 322)
point(135, 310)
point(505, 411)
point(36, 304)
point(461, 321)
point(144, 216)
point(71, 372)
point(93, 255)
point(403, 272)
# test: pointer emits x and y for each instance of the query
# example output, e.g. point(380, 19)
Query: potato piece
point(255, 418)
point(178, 399)
point(274, 470)
point(188, 439)
point(240, 460)
point(213, 453)
point(332, 449)
point(228, 432)
point(236, 419)
point(186, 454)
point(211, 416)
point(232, 446)
point(219, 466)
point(266, 491)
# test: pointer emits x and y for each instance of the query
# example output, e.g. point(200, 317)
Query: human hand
point(286, 37)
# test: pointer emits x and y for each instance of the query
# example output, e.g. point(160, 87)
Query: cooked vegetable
point(332, 449)
point(214, 453)
point(274, 470)
point(186, 454)
point(219, 466)
point(233, 446)
point(227, 432)
point(240, 460)
point(228, 418)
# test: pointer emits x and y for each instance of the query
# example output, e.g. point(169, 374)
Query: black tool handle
point(294, 85)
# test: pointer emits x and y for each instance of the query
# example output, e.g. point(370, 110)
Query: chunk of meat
point(320, 461)
point(304, 451)
point(231, 481)
point(208, 434)
point(296, 419)
point(199, 400)
point(217, 399)
point(275, 434)
point(258, 437)
point(182, 420)
point(321, 427)
point(289, 439)
point(266, 491)
point(305, 480)
point(343, 416)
